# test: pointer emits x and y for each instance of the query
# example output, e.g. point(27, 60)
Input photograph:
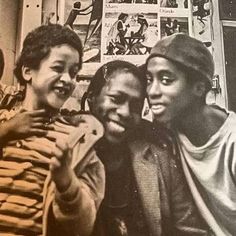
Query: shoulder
point(156, 139)
point(86, 122)
point(154, 145)
point(155, 134)
point(10, 96)
point(6, 114)
point(227, 120)
point(85, 131)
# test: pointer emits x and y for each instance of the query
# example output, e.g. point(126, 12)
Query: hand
point(60, 165)
point(27, 123)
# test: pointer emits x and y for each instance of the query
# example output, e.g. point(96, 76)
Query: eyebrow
point(59, 61)
point(121, 93)
point(63, 62)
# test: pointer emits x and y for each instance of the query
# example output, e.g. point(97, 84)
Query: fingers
point(37, 113)
point(41, 145)
point(41, 119)
point(37, 132)
point(62, 146)
point(61, 150)
point(62, 153)
point(54, 164)
point(42, 125)
point(34, 113)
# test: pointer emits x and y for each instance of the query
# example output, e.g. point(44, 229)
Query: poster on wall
point(85, 18)
point(121, 29)
point(202, 17)
point(130, 28)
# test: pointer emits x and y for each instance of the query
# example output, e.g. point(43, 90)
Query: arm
point(79, 191)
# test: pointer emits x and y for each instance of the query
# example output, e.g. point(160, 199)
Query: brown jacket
point(76, 217)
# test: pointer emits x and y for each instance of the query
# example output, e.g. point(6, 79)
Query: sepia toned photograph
point(117, 118)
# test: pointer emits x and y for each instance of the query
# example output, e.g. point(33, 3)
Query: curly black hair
point(38, 43)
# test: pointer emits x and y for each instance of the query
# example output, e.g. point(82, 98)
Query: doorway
point(229, 35)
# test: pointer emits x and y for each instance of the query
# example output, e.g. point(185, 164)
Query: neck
point(112, 155)
point(201, 123)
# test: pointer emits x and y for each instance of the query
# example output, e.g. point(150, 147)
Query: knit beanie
point(186, 51)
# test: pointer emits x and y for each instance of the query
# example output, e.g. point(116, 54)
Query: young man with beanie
point(179, 70)
point(145, 192)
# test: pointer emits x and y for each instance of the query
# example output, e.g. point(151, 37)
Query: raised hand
point(61, 172)
point(26, 124)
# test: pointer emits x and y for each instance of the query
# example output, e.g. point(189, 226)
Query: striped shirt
point(23, 170)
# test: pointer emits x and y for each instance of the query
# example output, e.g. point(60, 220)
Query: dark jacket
point(166, 202)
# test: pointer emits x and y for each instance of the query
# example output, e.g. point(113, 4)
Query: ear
point(26, 73)
point(199, 88)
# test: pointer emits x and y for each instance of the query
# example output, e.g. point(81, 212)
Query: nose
point(66, 78)
point(154, 89)
point(123, 110)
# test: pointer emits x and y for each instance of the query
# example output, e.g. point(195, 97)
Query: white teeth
point(61, 90)
point(116, 127)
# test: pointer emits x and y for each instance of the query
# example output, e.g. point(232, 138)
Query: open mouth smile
point(63, 91)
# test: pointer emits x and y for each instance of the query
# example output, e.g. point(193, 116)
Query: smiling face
point(53, 82)
point(119, 105)
point(169, 93)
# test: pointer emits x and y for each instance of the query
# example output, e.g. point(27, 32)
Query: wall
point(21, 16)
point(8, 30)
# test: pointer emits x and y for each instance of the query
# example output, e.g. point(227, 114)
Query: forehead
point(65, 52)
point(156, 64)
point(124, 83)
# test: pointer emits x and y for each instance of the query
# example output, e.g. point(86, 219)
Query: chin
point(55, 102)
point(162, 120)
point(56, 106)
point(113, 139)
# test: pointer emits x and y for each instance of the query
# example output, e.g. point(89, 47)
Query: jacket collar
point(84, 137)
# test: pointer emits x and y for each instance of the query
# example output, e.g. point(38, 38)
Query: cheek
point(40, 81)
point(148, 89)
point(37, 84)
point(174, 93)
point(180, 104)
point(102, 107)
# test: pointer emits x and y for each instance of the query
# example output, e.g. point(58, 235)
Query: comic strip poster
point(123, 29)
point(202, 17)
point(130, 28)
point(85, 18)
